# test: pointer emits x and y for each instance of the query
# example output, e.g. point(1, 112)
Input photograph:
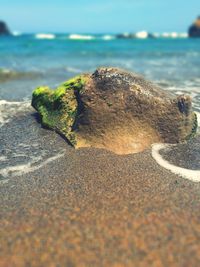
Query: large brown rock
point(116, 110)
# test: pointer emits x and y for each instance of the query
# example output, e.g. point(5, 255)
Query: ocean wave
point(183, 35)
point(156, 35)
point(173, 35)
point(142, 35)
point(81, 37)
point(3, 158)
point(73, 70)
point(108, 37)
point(16, 33)
point(48, 36)
point(9, 75)
point(9, 109)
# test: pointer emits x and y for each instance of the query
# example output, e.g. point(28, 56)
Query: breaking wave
point(108, 37)
point(81, 37)
point(8, 110)
point(48, 36)
point(9, 74)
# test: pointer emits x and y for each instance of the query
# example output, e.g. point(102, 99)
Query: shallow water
point(28, 61)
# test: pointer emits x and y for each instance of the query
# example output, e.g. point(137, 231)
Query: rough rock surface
point(116, 110)
point(4, 29)
point(194, 30)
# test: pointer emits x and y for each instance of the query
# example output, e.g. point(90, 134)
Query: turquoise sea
point(30, 60)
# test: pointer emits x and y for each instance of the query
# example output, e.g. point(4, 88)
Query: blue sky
point(102, 16)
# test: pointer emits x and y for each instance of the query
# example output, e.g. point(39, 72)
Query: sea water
point(31, 60)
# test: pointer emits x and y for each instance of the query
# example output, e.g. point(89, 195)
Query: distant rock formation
point(194, 30)
point(125, 36)
point(137, 35)
point(4, 29)
point(116, 110)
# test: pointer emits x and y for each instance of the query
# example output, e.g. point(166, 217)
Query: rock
point(194, 30)
point(125, 36)
point(138, 35)
point(115, 110)
point(4, 29)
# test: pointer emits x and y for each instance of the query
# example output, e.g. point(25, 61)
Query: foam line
point(13, 108)
point(192, 175)
point(18, 170)
point(81, 37)
point(198, 119)
point(45, 36)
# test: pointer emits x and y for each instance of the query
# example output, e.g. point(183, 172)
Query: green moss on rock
point(194, 128)
point(58, 108)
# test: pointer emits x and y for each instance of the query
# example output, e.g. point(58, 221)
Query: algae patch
point(58, 108)
point(194, 127)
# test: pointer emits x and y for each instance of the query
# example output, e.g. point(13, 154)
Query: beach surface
point(90, 207)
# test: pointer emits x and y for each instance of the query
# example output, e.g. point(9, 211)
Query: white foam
point(80, 37)
point(126, 34)
point(165, 34)
point(8, 109)
point(156, 35)
point(5, 102)
point(174, 35)
point(3, 158)
point(21, 169)
point(169, 34)
point(198, 120)
point(5, 71)
point(16, 33)
point(108, 37)
point(183, 35)
point(142, 35)
point(73, 70)
point(192, 175)
point(45, 36)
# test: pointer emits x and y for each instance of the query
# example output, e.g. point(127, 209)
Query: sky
point(99, 16)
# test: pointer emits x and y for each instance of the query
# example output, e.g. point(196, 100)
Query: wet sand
point(94, 208)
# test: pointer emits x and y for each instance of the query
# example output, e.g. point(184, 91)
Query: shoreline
point(172, 157)
point(92, 207)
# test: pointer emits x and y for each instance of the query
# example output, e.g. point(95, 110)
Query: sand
point(94, 208)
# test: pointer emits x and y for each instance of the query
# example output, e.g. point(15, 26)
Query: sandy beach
point(91, 207)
